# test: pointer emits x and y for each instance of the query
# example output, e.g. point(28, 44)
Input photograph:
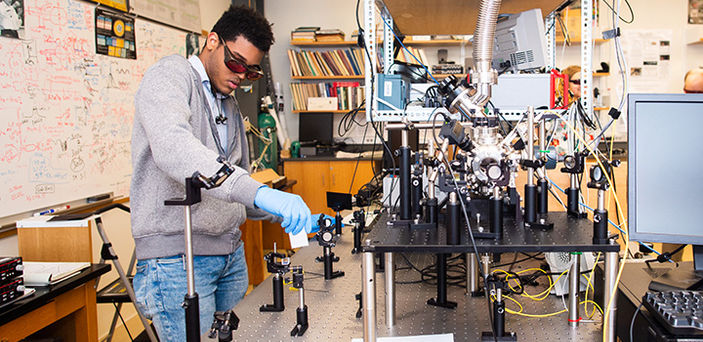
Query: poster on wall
point(114, 34)
point(121, 5)
point(12, 18)
point(648, 54)
point(192, 44)
point(695, 11)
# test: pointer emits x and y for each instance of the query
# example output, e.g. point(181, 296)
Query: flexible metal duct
point(483, 76)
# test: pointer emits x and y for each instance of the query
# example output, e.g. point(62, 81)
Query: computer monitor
point(520, 42)
point(665, 175)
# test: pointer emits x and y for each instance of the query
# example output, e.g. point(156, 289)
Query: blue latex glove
point(315, 222)
point(295, 213)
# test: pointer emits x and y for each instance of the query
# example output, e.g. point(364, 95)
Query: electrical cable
point(423, 66)
point(584, 205)
point(473, 242)
point(349, 119)
point(585, 306)
point(520, 313)
point(632, 14)
point(634, 317)
point(529, 257)
point(428, 273)
point(408, 51)
point(565, 30)
point(625, 235)
point(370, 101)
point(356, 165)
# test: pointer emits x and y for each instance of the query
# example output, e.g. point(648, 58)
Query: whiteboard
point(182, 13)
point(65, 112)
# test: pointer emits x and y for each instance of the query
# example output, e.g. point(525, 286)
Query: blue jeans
point(160, 285)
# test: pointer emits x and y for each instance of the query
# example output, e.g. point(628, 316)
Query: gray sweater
point(173, 136)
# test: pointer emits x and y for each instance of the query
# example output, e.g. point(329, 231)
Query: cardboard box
point(322, 103)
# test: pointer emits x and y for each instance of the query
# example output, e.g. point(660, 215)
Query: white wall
point(210, 11)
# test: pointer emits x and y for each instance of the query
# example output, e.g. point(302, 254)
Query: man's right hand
point(292, 208)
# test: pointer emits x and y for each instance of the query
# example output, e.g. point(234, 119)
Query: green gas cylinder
point(267, 126)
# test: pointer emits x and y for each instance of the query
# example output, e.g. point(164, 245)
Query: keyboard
point(679, 312)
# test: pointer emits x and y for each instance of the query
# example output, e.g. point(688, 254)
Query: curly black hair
point(242, 21)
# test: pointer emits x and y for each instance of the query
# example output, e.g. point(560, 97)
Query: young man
point(693, 81)
point(185, 118)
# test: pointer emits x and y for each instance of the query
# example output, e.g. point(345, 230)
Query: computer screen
point(665, 168)
point(520, 42)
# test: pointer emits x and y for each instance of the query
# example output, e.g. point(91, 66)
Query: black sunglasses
point(575, 82)
point(237, 66)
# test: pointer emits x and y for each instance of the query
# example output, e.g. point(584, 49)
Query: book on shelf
point(329, 35)
point(348, 95)
point(336, 62)
point(304, 33)
point(404, 56)
point(421, 38)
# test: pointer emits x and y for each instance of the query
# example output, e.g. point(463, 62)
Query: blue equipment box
point(394, 89)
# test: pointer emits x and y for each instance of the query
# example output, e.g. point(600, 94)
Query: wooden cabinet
point(342, 175)
point(313, 179)
point(316, 177)
point(68, 241)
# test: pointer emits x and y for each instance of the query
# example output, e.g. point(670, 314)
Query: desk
point(71, 301)
point(568, 235)
point(332, 306)
point(633, 285)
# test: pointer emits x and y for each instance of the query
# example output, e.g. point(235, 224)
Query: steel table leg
point(574, 280)
point(471, 274)
point(611, 272)
point(368, 295)
point(390, 290)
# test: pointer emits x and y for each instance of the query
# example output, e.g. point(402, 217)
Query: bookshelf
point(326, 70)
point(437, 42)
point(333, 77)
point(338, 111)
point(305, 43)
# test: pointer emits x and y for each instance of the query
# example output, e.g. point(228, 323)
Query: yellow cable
point(536, 297)
point(544, 294)
point(625, 235)
point(590, 284)
point(534, 315)
point(493, 297)
point(507, 278)
point(610, 154)
point(521, 313)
